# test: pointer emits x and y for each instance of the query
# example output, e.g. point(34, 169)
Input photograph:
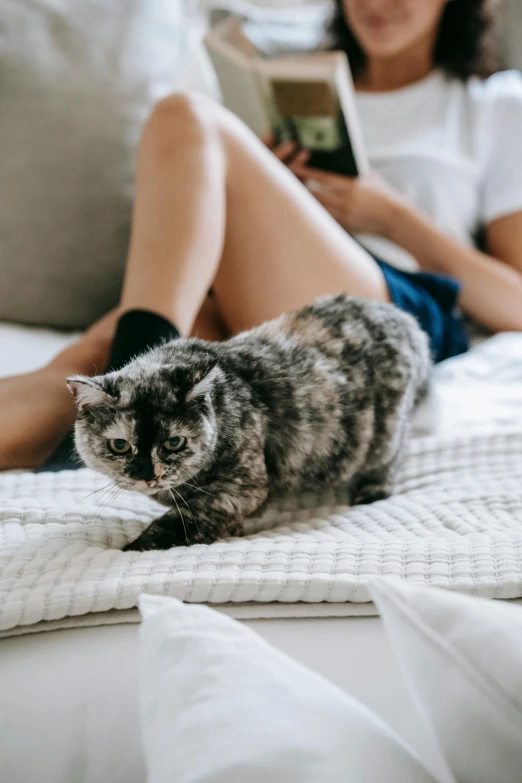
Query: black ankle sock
point(137, 332)
point(64, 457)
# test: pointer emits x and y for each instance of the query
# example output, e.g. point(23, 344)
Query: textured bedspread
point(455, 521)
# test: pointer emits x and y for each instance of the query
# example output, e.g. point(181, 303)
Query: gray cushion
point(77, 80)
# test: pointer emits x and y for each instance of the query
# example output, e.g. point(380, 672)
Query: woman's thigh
point(209, 323)
point(282, 249)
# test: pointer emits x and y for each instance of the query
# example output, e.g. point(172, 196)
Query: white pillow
point(218, 704)
point(462, 658)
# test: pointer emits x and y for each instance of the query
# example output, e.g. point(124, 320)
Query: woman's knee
point(181, 118)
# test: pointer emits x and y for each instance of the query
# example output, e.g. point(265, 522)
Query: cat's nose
point(151, 483)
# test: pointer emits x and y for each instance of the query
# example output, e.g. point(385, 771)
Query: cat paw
point(367, 495)
point(134, 546)
point(158, 539)
point(149, 541)
point(162, 535)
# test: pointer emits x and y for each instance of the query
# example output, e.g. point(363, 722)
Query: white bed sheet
point(25, 348)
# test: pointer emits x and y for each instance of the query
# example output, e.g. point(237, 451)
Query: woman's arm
point(504, 238)
point(491, 286)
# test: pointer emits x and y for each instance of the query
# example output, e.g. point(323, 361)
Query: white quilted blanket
point(455, 521)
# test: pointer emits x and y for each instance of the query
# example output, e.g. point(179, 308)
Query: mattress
point(454, 521)
point(71, 696)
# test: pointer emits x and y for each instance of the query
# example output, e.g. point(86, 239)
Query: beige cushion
point(77, 80)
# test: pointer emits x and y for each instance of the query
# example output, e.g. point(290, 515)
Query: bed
point(68, 676)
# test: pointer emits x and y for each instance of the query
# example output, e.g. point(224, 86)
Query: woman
point(214, 209)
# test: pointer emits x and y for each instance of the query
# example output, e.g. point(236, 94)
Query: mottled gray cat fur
point(317, 398)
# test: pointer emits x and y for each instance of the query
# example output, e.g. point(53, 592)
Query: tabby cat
point(316, 398)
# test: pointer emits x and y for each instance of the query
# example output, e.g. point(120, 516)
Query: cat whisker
point(111, 499)
point(102, 498)
point(181, 515)
point(178, 493)
point(108, 501)
point(180, 496)
point(204, 491)
point(194, 517)
point(90, 494)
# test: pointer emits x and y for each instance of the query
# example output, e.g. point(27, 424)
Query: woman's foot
point(37, 410)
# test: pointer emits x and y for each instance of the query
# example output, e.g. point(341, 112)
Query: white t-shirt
point(452, 148)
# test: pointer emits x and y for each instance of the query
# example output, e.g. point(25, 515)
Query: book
point(307, 97)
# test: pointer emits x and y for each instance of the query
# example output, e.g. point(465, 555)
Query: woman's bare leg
point(215, 208)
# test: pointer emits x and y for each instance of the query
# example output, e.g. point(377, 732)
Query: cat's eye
point(174, 444)
point(118, 445)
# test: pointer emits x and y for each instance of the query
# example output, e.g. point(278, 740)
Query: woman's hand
point(365, 204)
point(287, 152)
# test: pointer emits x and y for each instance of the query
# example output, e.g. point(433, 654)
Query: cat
point(317, 398)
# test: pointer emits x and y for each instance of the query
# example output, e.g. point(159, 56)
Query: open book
point(304, 97)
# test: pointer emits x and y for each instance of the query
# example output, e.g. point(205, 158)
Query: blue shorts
point(432, 300)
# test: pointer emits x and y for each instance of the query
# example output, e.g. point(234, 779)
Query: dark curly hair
point(466, 43)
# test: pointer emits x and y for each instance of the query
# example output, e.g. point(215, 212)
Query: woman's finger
point(298, 161)
point(329, 201)
point(334, 181)
point(285, 150)
point(301, 158)
point(316, 187)
point(335, 195)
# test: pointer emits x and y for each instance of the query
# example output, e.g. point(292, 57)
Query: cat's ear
point(203, 382)
point(87, 392)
